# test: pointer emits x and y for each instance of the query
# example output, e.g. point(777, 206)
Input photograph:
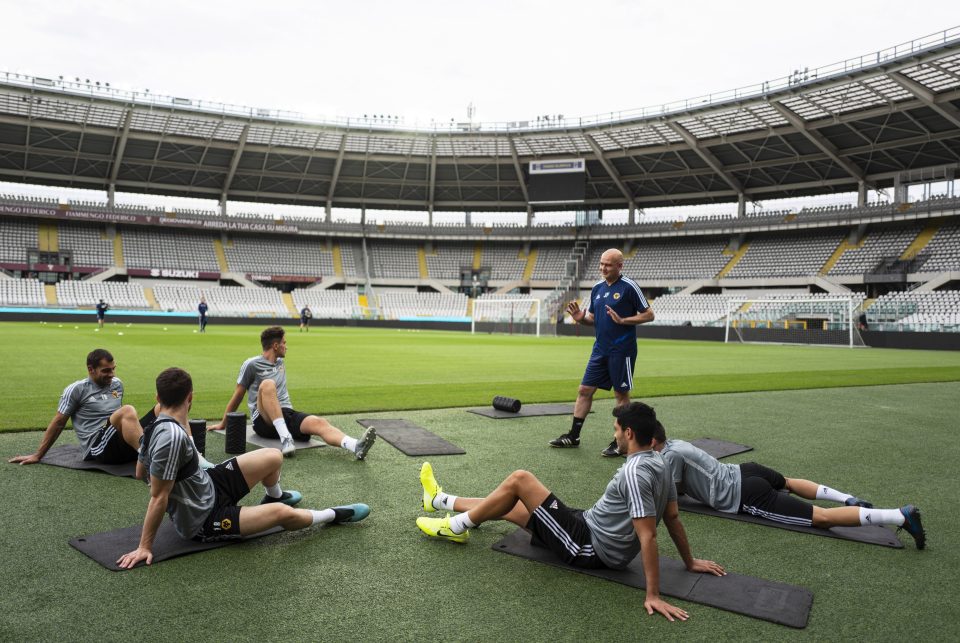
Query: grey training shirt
point(89, 407)
point(705, 478)
point(192, 498)
point(640, 488)
point(255, 370)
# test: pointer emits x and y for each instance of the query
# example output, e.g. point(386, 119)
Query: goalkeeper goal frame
point(737, 320)
point(511, 312)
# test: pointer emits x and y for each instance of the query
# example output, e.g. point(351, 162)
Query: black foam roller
point(507, 404)
point(236, 438)
point(198, 429)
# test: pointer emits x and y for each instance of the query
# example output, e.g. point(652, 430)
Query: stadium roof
point(856, 124)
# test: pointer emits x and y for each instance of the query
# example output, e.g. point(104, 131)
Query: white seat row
point(22, 292)
point(88, 293)
point(328, 304)
point(395, 305)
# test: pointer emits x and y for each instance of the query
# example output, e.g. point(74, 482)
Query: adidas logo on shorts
point(554, 505)
point(230, 466)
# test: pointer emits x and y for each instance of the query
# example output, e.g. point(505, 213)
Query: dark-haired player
point(621, 524)
point(305, 316)
point(102, 308)
point(617, 306)
point(754, 489)
point(263, 379)
point(108, 431)
point(202, 503)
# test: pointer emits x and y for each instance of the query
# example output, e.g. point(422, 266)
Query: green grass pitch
point(877, 423)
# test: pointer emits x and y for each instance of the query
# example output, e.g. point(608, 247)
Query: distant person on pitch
point(102, 308)
point(202, 503)
point(617, 306)
point(622, 523)
point(305, 316)
point(202, 309)
point(752, 488)
point(263, 378)
point(108, 430)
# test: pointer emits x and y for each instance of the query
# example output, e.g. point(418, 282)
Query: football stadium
point(532, 314)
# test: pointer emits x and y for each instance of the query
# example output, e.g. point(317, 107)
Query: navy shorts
point(230, 487)
point(563, 531)
point(109, 447)
point(761, 495)
point(611, 371)
point(293, 419)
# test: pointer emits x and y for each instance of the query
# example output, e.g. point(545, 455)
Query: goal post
point(509, 316)
point(820, 321)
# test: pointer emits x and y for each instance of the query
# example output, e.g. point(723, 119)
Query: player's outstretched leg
point(315, 425)
point(815, 491)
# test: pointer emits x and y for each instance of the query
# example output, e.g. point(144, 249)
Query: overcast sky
point(430, 59)
point(423, 60)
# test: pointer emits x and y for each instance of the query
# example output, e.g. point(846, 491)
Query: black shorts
point(230, 487)
point(563, 531)
point(293, 419)
point(761, 494)
point(109, 447)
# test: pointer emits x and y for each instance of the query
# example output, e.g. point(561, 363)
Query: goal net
point(510, 316)
point(822, 321)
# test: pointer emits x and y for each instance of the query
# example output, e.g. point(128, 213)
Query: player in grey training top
point(108, 431)
point(263, 379)
point(610, 534)
point(202, 503)
point(752, 488)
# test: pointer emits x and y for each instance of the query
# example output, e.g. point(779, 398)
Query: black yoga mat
point(108, 546)
point(767, 600)
point(868, 534)
point(70, 456)
point(528, 410)
point(410, 438)
point(720, 448)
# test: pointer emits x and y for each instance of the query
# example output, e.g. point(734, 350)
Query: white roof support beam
point(819, 140)
point(433, 180)
point(927, 97)
point(519, 171)
point(234, 162)
point(611, 171)
point(707, 156)
point(118, 157)
point(335, 177)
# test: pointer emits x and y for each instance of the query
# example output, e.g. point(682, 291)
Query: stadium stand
point(84, 294)
point(786, 255)
point(394, 260)
point(696, 258)
point(943, 250)
point(328, 304)
point(89, 245)
point(15, 237)
point(696, 310)
point(274, 256)
point(877, 244)
point(504, 261)
point(22, 292)
point(550, 261)
point(146, 248)
point(911, 310)
point(399, 305)
point(446, 259)
point(223, 300)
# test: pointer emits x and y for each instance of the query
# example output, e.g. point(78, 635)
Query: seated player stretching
point(108, 430)
point(202, 503)
point(622, 523)
point(263, 378)
point(752, 488)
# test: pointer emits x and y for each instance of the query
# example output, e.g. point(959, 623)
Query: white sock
point(348, 443)
point(881, 516)
point(826, 493)
point(323, 516)
point(460, 523)
point(444, 501)
point(281, 426)
point(203, 462)
point(274, 490)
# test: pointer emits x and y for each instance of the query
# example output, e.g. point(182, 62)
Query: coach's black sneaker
point(287, 497)
point(612, 451)
point(565, 441)
point(913, 526)
point(853, 501)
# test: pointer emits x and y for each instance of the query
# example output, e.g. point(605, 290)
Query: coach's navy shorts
point(611, 371)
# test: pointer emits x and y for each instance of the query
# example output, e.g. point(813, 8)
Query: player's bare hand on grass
point(573, 308)
point(707, 567)
point(128, 561)
point(33, 458)
point(671, 612)
point(215, 427)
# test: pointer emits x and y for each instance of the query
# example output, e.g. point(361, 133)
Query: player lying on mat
point(621, 524)
point(202, 503)
point(263, 378)
point(751, 488)
point(108, 431)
